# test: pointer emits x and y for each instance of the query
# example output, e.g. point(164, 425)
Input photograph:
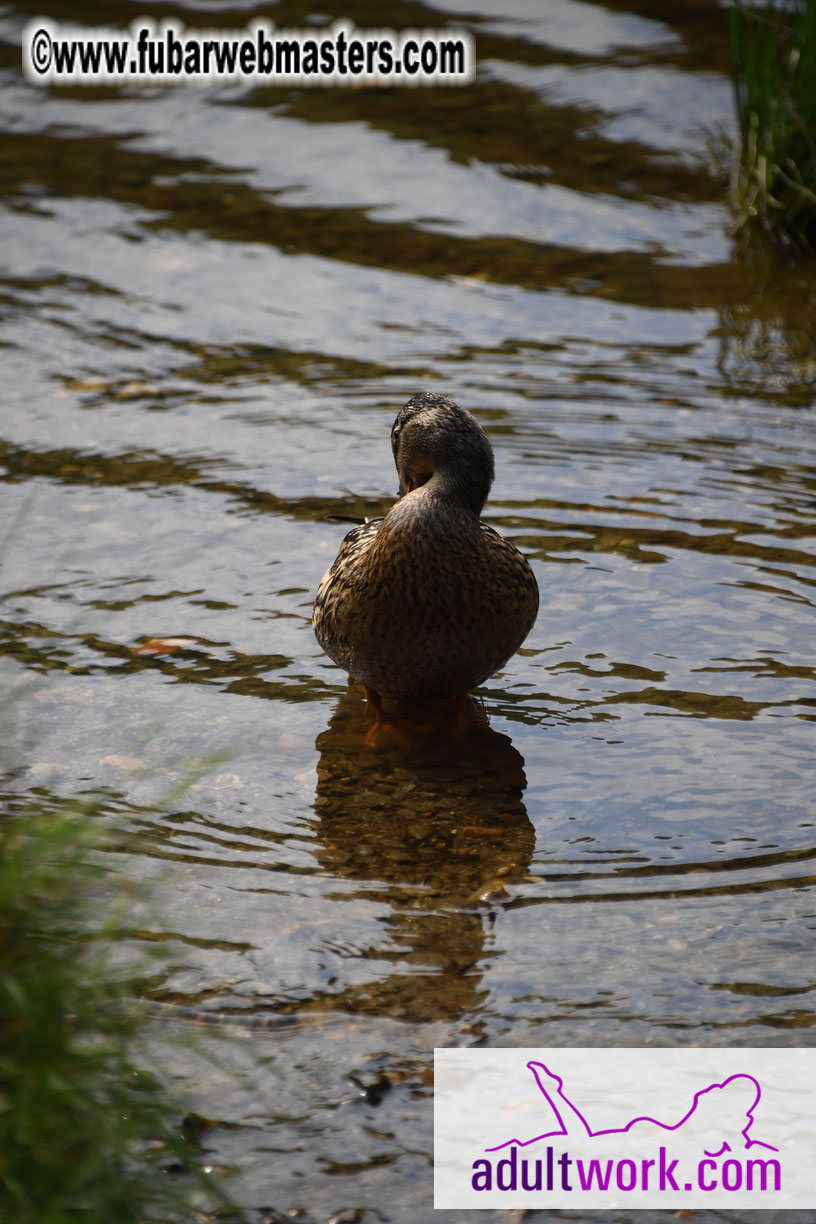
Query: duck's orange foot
point(458, 719)
point(466, 719)
point(387, 731)
point(391, 733)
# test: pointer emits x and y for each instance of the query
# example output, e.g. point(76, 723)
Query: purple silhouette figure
point(713, 1107)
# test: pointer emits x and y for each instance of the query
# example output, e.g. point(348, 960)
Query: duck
point(426, 603)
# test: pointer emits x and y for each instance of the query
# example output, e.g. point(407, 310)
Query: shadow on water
point(439, 831)
point(765, 329)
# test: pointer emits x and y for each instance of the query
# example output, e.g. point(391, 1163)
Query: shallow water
point(214, 302)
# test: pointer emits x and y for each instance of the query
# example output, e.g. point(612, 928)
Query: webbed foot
point(457, 719)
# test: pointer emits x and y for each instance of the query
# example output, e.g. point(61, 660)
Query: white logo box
point(625, 1127)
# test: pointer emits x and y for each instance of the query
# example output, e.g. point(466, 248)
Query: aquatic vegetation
point(87, 1134)
point(773, 64)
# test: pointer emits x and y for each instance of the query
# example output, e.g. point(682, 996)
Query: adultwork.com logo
point(718, 1114)
point(625, 1127)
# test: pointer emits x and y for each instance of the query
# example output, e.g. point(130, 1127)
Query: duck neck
point(449, 485)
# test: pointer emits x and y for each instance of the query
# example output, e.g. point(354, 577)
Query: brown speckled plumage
point(428, 601)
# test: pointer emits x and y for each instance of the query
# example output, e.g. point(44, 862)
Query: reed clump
point(773, 64)
point(87, 1134)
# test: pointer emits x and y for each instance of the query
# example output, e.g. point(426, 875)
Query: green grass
point(87, 1135)
point(773, 64)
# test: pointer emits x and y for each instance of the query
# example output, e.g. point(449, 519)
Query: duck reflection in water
point(422, 606)
point(438, 831)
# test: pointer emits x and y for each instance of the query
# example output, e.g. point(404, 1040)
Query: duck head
point(439, 444)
